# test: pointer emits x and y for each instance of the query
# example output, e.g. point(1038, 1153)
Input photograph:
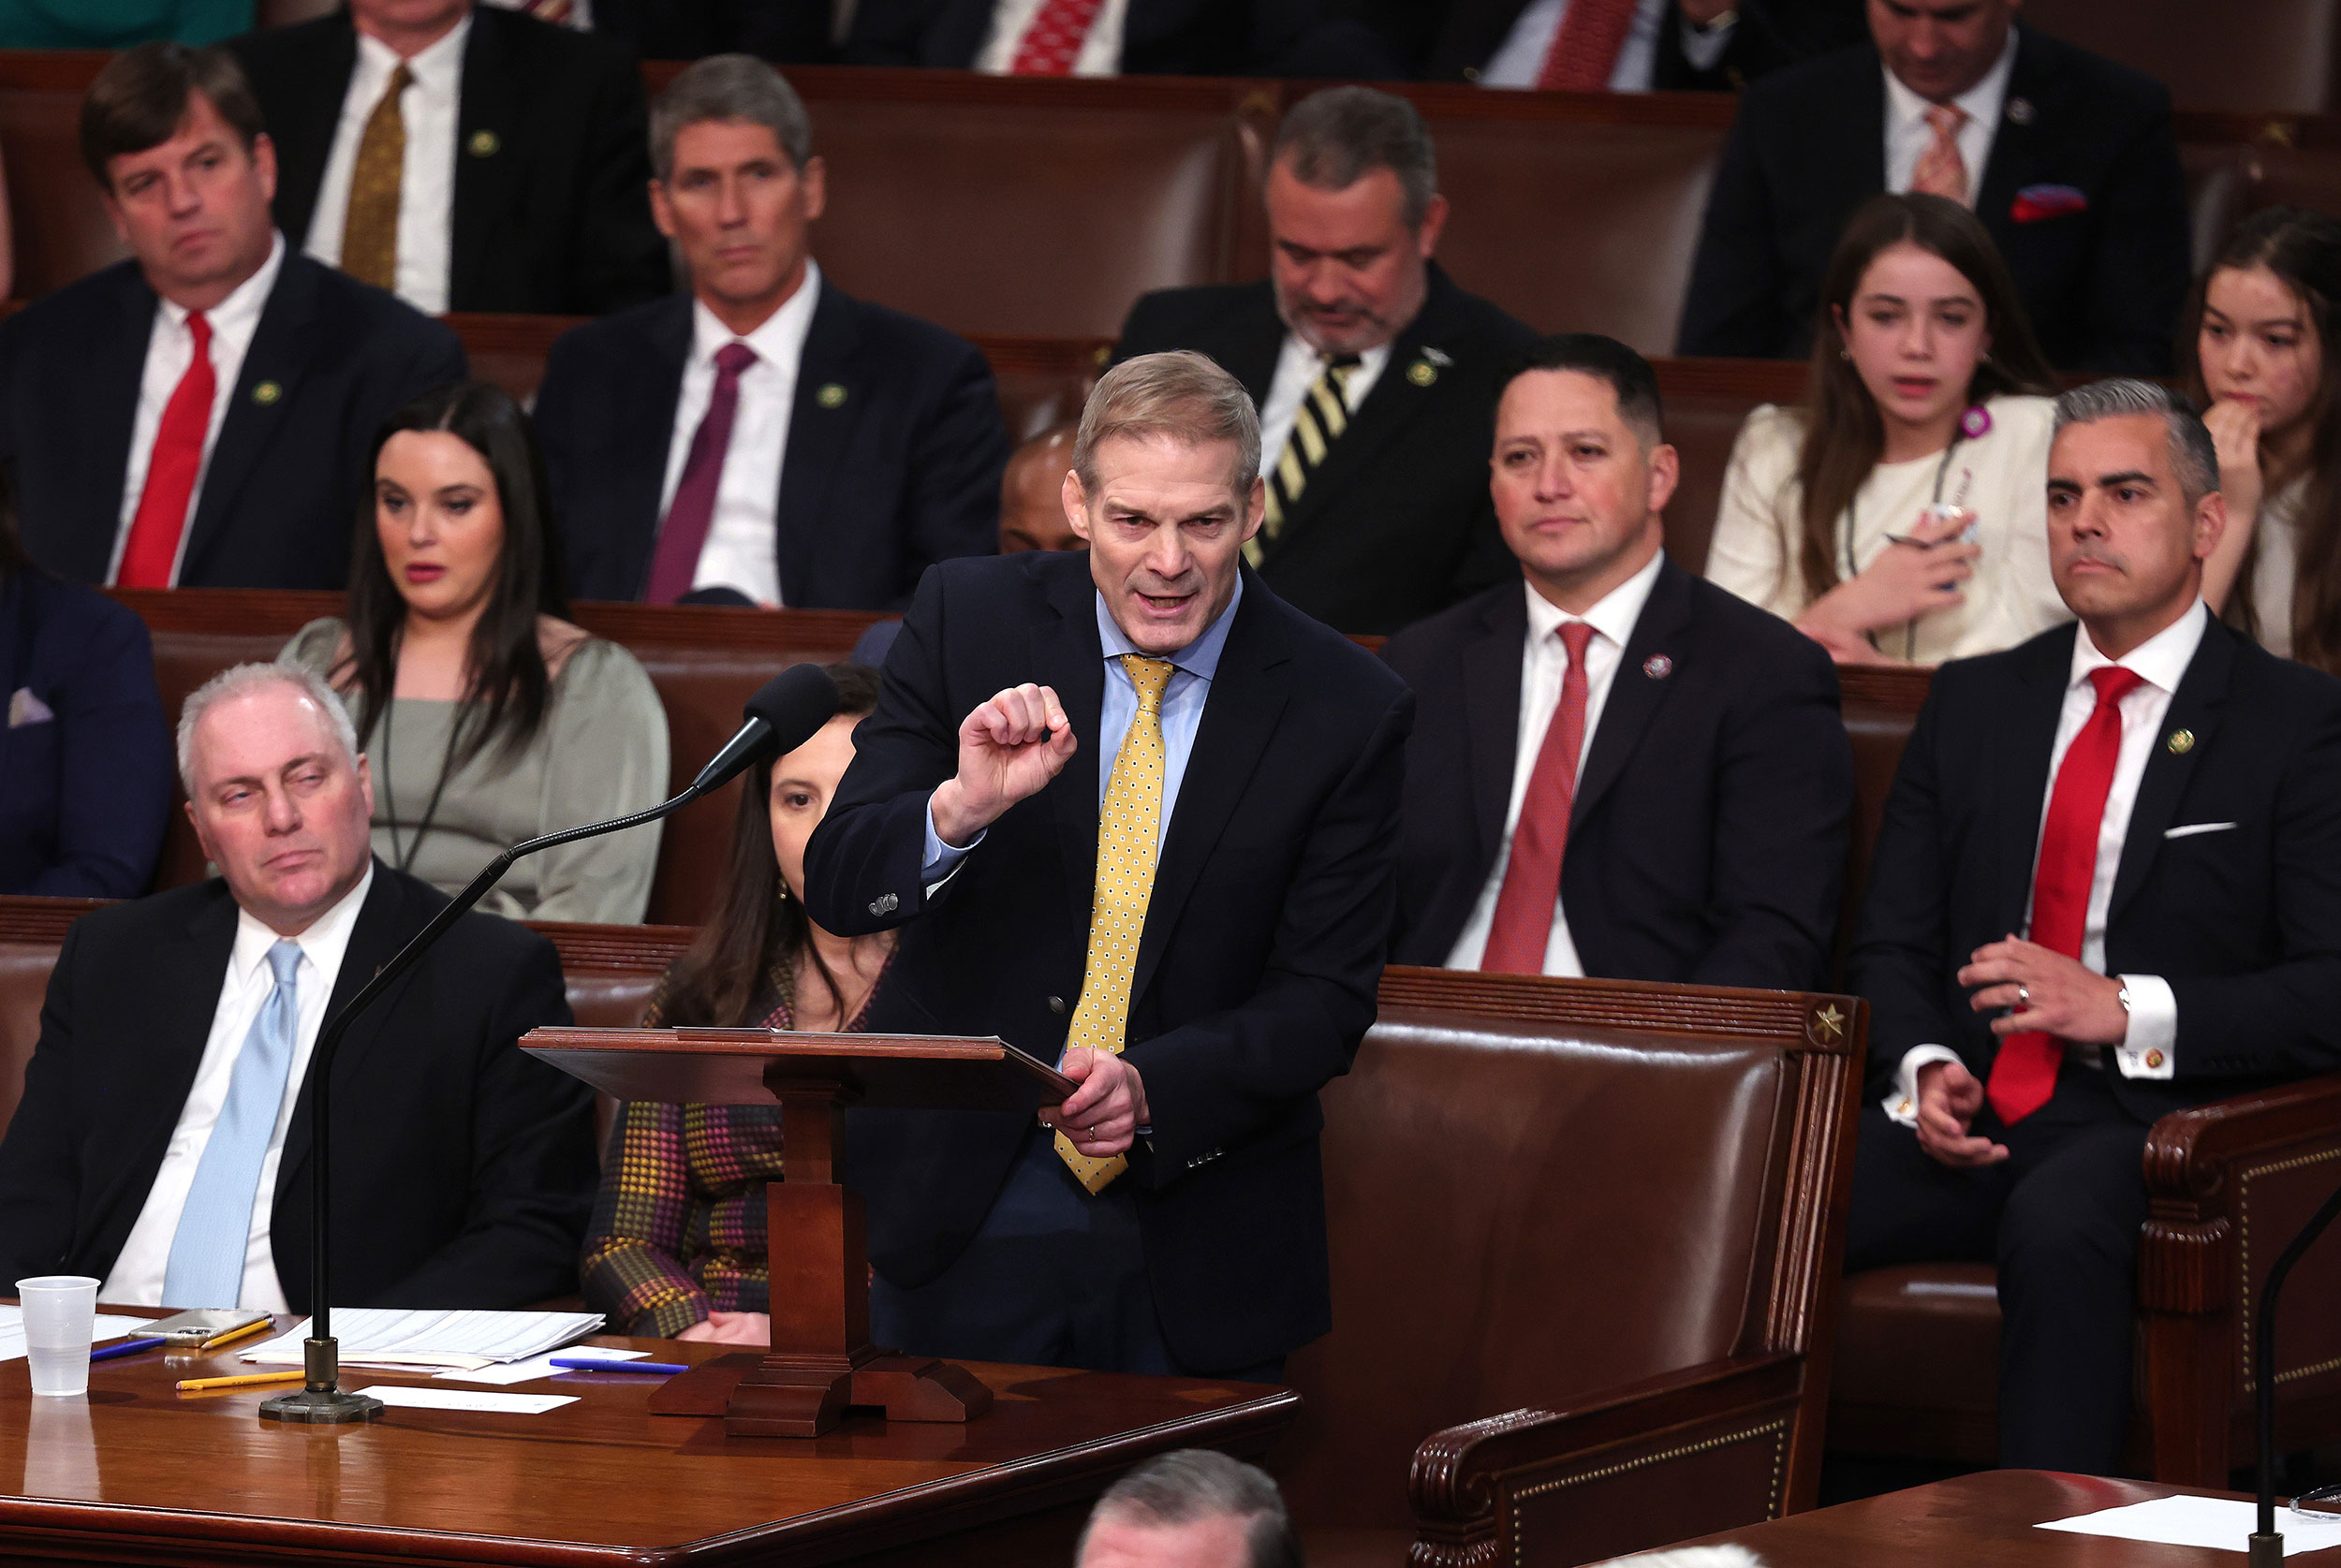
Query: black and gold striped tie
point(1323, 415)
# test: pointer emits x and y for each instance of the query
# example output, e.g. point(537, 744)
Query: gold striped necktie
point(1323, 415)
point(1127, 835)
point(370, 232)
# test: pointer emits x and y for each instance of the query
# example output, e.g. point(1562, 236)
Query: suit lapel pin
point(832, 395)
point(484, 144)
point(1657, 666)
point(268, 394)
point(1422, 373)
point(2181, 741)
point(2020, 112)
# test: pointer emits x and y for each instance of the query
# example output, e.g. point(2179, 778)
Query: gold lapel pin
point(484, 144)
point(2181, 741)
point(268, 394)
point(832, 395)
point(1422, 373)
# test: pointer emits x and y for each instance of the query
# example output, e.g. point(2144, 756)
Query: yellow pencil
point(234, 1334)
point(252, 1379)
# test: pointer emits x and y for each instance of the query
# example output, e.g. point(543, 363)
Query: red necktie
point(684, 532)
point(1054, 40)
point(1585, 46)
point(1532, 878)
point(2023, 1074)
point(153, 548)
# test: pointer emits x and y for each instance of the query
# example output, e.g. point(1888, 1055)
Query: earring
point(1845, 354)
point(780, 891)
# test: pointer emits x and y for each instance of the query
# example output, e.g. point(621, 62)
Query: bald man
point(1032, 495)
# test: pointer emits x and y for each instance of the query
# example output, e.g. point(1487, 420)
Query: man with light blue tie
point(164, 1140)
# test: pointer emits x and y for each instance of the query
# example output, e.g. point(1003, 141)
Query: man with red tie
point(1618, 768)
point(1061, 37)
point(201, 414)
point(2107, 887)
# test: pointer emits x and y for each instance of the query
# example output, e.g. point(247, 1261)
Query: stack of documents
point(108, 1326)
point(389, 1337)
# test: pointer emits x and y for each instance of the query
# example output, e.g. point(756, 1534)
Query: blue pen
point(127, 1347)
point(603, 1364)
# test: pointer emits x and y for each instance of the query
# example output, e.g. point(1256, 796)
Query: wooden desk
point(142, 1474)
point(1985, 1520)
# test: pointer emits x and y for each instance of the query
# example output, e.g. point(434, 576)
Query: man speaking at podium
point(1131, 805)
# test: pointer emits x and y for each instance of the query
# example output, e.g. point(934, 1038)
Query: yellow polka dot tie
point(1125, 880)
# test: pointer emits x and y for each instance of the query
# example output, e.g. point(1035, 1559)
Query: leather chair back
point(1542, 1189)
point(58, 225)
point(2275, 56)
point(1707, 401)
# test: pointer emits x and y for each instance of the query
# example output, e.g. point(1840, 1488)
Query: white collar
point(445, 54)
point(1612, 615)
point(1982, 101)
point(778, 339)
point(238, 314)
point(2161, 660)
point(327, 938)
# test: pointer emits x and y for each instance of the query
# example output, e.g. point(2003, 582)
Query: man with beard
point(1375, 377)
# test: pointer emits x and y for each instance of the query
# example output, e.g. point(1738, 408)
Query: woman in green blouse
point(487, 718)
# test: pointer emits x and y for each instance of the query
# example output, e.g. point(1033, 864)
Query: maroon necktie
point(1532, 878)
point(1585, 46)
point(684, 532)
point(2023, 1074)
point(172, 469)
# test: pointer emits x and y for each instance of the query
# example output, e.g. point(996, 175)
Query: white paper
point(386, 1335)
point(2219, 1523)
point(535, 1367)
point(108, 1326)
point(464, 1399)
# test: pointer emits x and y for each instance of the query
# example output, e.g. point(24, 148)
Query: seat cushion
point(1340, 1547)
point(1917, 1370)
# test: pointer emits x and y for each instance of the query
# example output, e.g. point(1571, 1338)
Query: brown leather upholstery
point(1706, 401)
point(24, 967)
point(2273, 55)
point(56, 222)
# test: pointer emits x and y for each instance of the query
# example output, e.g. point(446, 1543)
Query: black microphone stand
point(2266, 1547)
point(320, 1402)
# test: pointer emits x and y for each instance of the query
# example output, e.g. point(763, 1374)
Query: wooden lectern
point(821, 1359)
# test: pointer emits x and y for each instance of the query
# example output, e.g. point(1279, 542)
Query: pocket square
point(26, 709)
point(2191, 829)
point(2039, 203)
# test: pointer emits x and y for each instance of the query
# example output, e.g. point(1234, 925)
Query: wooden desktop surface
point(1985, 1520)
point(140, 1473)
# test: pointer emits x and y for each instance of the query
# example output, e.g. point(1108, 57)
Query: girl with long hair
point(1900, 515)
point(486, 716)
point(677, 1246)
point(2252, 353)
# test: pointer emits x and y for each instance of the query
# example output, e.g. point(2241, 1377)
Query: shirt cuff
point(940, 859)
point(2150, 1049)
point(1902, 1106)
point(1705, 47)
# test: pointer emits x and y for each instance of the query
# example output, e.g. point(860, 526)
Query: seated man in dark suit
point(1129, 806)
point(2154, 803)
point(1665, 45)
point(1374, 375)
point(1055, 37)
point(769, 439)
point(465, 158)
point(2066, 158)
point(164, 1140)
point(201, 415)
point(1618, 769)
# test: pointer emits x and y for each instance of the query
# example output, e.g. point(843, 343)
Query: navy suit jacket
point(2102, 284)
point(895, 450)
point(1707, 839)
point(1452, 41)
point(463, 1167)
point(288, 476)
point(2244, 921)
point(1256, 971)
point(552, 209)
point(1161, 37)
point(84, 792)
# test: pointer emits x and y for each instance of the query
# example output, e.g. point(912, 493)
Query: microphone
point(2264, 1547)
point(784, 713)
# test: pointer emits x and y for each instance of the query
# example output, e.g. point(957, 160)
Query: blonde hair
point(1180, 396)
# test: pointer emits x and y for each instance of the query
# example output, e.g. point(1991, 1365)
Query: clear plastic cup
point(60, 1318)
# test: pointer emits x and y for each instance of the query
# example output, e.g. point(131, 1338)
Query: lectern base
point(757, 1399)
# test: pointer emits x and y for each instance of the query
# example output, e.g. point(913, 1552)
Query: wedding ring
point(2024, 998)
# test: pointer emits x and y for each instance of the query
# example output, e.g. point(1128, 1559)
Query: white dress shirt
point(1544, 663)
point(170, 350)
point(1520, 59)
point(137, 1273)
point(1908, 135)
point(1100, 52)
point(1298, 364)
point(2161, 662)
point(743, 549)
point(432, 108)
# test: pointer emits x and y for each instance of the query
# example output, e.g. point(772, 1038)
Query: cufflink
point(2154, 1061)
point(884, 903)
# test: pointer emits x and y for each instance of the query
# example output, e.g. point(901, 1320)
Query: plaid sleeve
point(633, 1267)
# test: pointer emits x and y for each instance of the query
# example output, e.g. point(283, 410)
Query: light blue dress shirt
point(1194, 668)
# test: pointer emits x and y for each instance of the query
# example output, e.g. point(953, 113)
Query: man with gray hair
point(2108, 887)
point(164, 1140)
point(1193, 1508)
point(1130, 807)
point(1375, 377)
point(766, 439)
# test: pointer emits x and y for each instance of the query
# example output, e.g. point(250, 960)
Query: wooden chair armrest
point(1470, 1484)
point(2188, 1152)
